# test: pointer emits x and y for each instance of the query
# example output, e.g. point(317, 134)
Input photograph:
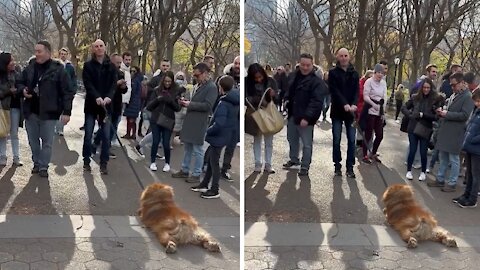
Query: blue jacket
point(471, 143)
point(225, 122)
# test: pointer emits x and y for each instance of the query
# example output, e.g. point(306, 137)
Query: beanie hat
point(378, 68)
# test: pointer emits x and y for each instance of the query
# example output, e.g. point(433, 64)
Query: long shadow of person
point(6, 186)
point(257, 203)
point(35, 199)
point(62, 156)
point(292, 205)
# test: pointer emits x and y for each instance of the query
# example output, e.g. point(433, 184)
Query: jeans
point(416, 158)
point(257, 149)
point(454, 160)
point(43, 130)
point(113, 130)
point(213, 168)
point(473, 177)
point(337, 138)
point(414, 140)
point(14, 124)
point(160, 133)
point(295, 133)
point(374, 123)
point(195, 150)
point(434, 158)
point(104, 133)
point(59, 126)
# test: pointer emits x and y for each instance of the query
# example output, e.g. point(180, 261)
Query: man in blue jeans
point(44, 82)
point(343, 83)
point(304, 102)
point(100, 80)
point(196, 122)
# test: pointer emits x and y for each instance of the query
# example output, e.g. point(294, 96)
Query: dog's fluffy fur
point(172, 225)
point(408, 218)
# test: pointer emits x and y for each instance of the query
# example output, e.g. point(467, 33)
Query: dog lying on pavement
point(410, 220)
point(172, 225)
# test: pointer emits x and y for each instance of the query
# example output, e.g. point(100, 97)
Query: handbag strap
point(249, 104)
point(259, 104)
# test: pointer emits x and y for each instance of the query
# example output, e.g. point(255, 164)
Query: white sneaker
point(422, 177)
point(416, 166)
point(397, 121)
point(409, 175)
point(153, 167)
point(166, 167)
point(428, 170)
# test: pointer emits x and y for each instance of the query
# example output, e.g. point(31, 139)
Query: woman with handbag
point(257, 83)
point(10, 109)
point(420, 110)
point(163, 104)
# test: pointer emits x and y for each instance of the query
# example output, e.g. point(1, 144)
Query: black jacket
point(254, 95)
point(166, 104)
point(100, 81)
point(426, 105)
point(305, 97)
point(282, 83)
point(344, 90)
point(55, 92)
point(117, 98)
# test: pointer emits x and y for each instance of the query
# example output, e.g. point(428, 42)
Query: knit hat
point(378, 68)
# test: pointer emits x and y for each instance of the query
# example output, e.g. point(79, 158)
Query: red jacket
point(360, 98)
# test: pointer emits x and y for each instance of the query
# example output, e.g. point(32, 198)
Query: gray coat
point(196, 120)
point(452, 127)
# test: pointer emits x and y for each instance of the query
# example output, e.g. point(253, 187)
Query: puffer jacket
point(225, 121)
point(471, 143)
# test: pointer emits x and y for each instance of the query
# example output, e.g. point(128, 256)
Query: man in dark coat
point(100, 80)
point(343, 83)
point(304, 102)
point(48, 94)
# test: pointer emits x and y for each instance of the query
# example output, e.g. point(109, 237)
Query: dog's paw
point(450, 242)
point(212, 246)
point(171, 247)
point(412, 243)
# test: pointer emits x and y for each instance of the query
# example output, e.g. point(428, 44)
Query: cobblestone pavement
point(426, 256)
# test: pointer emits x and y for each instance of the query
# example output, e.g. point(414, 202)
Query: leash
point(107, 118)
point(369, 146)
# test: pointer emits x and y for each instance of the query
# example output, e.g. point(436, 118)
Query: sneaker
point(397, 121)
point(87, 167)
point(350, 174)
point(166, 167)
point(467, 204)
point(269, 169)
point(193, 179)
point(60, 133)
point(226, 175)
point(416, 166)
point(153, 167)
point(112, 155)
point(139, 150)
point(160, 157)
point(303, 172)
point(428, 170)
point(435, 183)
point(180, 174)
point(3, 161)
point(449, 188)
point(17, 162)
point(375, 158)
point(258, 168)
point(43, 173)
point(35, 169)
point(199, 189)
point(409, 175)
point(457, 199)
point(290, 164)
point(422, 177)
point(103, 169)
point(366, 160)
point(209, 194)
point(338, 171)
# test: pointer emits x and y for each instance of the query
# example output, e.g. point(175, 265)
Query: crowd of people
point(444, 120)
point(41, 95)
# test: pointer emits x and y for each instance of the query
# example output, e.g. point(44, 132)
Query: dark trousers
point(374, 123)
point(213, 168)
point(159, 132)
point(473, 176)
point(414, 140)
point(227, 157)
point(104, 133)
point(399, 104)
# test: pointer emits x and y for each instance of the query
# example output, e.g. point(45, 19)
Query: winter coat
point(196, 120)
point(427, 106)
point(225, 121)
point(164, 103)
point(360, 102)
point(344, 89)
point(135, 104)
point(282, 84)
point(452, 127)
point(100, 81)
point(55, 94)
point(128, 79)
point(180, 115)
point(471, 143)
point(446, 88)
point(117, 98)
point(71, 74)
point(305, 97)
point(8, 98)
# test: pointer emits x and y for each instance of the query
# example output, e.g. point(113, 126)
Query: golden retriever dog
point(408, 218)
point(172, 225)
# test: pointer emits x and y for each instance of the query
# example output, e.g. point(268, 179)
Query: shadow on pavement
point(66, 159)
point(261, 205)
point(6, 186)
point(292, 204)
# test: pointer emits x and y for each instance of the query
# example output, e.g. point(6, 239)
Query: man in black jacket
point(304, 102)
point(343, 83)
point(100, 80)
point(48, 95)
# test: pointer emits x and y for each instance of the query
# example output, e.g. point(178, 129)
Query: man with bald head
point(343, 82)
point(100, 80)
